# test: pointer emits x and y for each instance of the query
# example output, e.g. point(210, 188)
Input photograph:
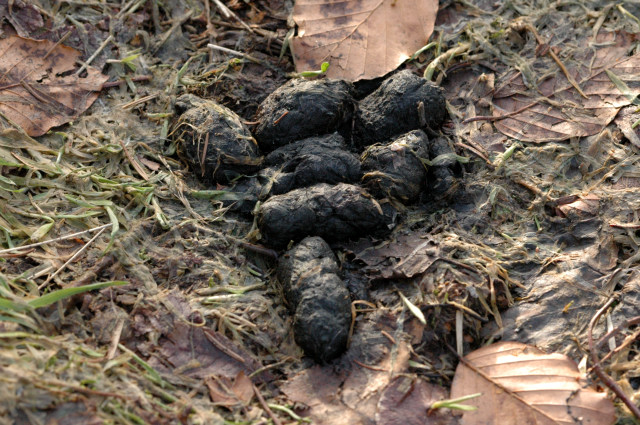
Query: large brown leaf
point(521, 384)
point(38, 86)
point(556, 110)
point(360, 39)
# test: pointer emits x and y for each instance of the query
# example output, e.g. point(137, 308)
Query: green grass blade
point(61, 294)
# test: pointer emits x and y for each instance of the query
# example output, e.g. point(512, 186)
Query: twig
point(259, 249)
point(227, 13)
point(265, 406)
point(500, 117)
point(73, 257)
point(117, 83)
point(541, 42)
point(135, 163)
point(377, 369)
point(93, 56)
point(115, 339)
point(48, 383)
point(477, 153)
point(615, 331)
point(598, 369)
point(212, 337)
point(61, 238)
point(235, 52)
point(428, 72)
point(140, 101)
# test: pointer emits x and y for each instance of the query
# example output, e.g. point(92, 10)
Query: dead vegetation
point(535, 239)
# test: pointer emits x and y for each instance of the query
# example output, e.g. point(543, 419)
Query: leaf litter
point(39, 88)
point(535, 239)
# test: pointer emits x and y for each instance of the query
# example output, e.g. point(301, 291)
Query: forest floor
point(531, 241)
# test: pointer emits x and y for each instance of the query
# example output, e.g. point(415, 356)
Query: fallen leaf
point(361, 39)
point(25, 18)
point(555, 110)
point(351, 397)
point(625, 120)
point(38, 85)
point(521, 384)
point(580, 207)
point(406, 401)
point(406, 256)
point(228, 393)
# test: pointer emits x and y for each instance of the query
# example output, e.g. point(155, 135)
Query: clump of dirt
point(213, 140)
point(304, 108)
point(318, 298)
point(402, 103)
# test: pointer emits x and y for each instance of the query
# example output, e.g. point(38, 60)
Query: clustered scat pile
point(321, 167)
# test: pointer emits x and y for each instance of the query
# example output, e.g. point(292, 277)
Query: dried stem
point(598, 369)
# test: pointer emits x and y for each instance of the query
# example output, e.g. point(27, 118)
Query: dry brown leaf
point(556, 111)
point(406, 401)
point(580, 207)
point(406, 256)
point(225, 392)
point(38, 86)
point(351, 397)
point(361, 39)
point(521, 384)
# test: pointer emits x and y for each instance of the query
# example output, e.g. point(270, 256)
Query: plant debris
point(39, 88)
point(507, 239)
point(351, 38)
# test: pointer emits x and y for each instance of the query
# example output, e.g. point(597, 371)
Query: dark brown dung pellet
point(301, 109)
point(213, 141)
point(396, 170)
point(338, 212)
point(402, 103)
point(317, 297)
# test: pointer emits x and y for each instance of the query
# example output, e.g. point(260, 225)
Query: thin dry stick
point(115, 339)
point(61, 238)
point(627, 341)
point(598, 369)
point(265, 406)
point(135, 163)
point(617, 330)
point(140, 101)
point(93, 56)
point(227, 13)
point(73, 257)
point(555, 57)
point(234, 52)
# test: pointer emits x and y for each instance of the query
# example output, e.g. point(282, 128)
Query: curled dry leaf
point(38, 85)
point(521, 384)
point(361, 39)
point(580, 207)
point(555, 110)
